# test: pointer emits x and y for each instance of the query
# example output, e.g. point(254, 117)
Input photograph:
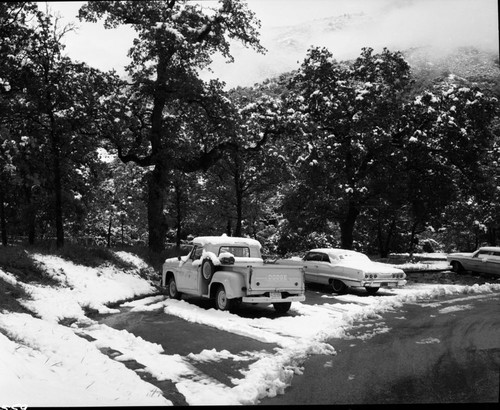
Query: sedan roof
point(336, 251)
point(490, 248)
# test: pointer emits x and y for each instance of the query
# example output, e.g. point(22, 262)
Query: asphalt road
point(436, 351)
point(446, 352)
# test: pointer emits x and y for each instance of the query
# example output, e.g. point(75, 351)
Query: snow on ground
point(46, 363)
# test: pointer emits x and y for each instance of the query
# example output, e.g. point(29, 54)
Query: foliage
point(366, 154)
point(175, 121)
point(343, 115)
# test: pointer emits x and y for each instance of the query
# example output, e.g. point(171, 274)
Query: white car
point(341, 269)
point(484, 260)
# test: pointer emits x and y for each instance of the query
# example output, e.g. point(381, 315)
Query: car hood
point(175, 261)
point(451, 255)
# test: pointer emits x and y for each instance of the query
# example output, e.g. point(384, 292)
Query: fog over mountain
point(428, 32)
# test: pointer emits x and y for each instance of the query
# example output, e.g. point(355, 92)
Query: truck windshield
point(196, 252)
point(238, 251)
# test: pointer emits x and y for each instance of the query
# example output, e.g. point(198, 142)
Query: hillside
point(430, 52)
point(471, 63)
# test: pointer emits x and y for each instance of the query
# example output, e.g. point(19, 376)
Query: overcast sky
point(397, 24)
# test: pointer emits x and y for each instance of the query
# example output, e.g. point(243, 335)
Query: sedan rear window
point(317, 257)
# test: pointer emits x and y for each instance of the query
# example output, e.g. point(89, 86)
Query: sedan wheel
point(338, 286)
point(371, 290)
point(456, 267)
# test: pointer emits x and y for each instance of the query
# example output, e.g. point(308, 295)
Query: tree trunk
point(239, 197)
point(157, 224)
point(412, 238)
point(239, 213)
point(3, 222)
point(380, 237)
point(109, 230)
point(30, 216)
point(347, 227)
point(122, 220)
point(56, 164)
point(492, 235)
point(178, 204)
point(388, 239)
point(384, 246)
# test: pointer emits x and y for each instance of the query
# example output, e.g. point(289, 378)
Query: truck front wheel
point(282, 307)
point(221, 300)
point(172, 291)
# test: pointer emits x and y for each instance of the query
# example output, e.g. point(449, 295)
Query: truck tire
point(207, 269)
point(282, 307)
point(221, 300)
point(171, 286)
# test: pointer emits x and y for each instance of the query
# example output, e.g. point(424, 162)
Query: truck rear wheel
point(282, 307)
point(221, 300)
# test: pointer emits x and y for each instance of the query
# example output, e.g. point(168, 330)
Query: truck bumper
point(268, 300)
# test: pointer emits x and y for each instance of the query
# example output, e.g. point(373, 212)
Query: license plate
point(275, 295)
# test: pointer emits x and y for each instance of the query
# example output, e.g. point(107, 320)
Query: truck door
point(188, 272)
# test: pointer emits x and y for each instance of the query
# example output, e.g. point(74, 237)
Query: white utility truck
point(230, 270)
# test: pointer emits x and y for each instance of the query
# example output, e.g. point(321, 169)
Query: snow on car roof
point(490, 248)
point(225, 240)
point(335, 251)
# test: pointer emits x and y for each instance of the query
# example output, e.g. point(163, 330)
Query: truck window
point(196, 253)
point(238, 251)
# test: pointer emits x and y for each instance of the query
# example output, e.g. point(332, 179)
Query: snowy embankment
point(47, 363)
point(430, 262)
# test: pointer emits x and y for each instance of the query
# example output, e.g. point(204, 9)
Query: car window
point(238, 251)
point(355, 256)
point(325, 258)
point(196, 253)
point(312, 256)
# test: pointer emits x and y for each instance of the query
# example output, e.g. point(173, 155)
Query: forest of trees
point(356, 154)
